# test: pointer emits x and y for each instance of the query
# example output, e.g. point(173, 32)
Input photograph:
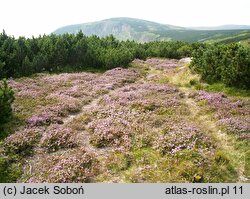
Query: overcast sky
point(34, 17)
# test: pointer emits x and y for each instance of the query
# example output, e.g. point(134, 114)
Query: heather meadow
point(154, 121)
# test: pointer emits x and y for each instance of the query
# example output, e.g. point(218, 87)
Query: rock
point(182, 94)
point(192, 95)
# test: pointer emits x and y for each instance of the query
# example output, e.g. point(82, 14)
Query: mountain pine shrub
point(6, 99)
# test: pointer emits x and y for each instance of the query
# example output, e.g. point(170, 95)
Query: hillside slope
point(145, 31)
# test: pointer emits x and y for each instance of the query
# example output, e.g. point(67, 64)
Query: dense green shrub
point(229, 64)
point(9, 171)
point(6, 99)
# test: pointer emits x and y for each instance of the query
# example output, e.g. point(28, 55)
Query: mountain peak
point(122, 28)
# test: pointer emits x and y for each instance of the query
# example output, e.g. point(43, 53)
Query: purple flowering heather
point(39, 120)
point(121, 111)
point(78, 165)
point(57, 137)
point(181, 136)
point(233, 114)
point(22, 141)
point(162, 64)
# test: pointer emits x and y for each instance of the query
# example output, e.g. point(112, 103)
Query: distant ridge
point(223, 27)
point(124, 28)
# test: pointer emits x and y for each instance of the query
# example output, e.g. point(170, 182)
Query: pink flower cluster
point(181, 136)
point(123, 119)
point(57, 137)
point(39, 120)
point(45, 100)
point(22, 141)
point(233, 114)
point(162, 64)
point(76, 166)
point(66, 93)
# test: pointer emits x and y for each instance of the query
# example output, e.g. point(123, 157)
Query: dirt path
point(86, 107)
point(223, 140)
point(181, 76)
